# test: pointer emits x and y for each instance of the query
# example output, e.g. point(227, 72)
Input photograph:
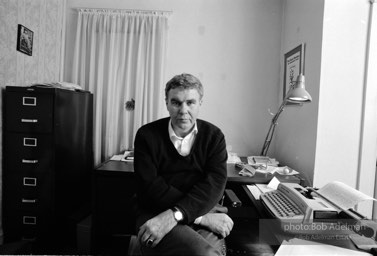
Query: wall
point(43, 17)
point(295, 141)
point(233, 47)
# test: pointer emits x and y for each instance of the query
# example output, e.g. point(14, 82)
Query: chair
point(134, 248)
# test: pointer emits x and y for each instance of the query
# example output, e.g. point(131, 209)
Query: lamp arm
point(281, 108)
point(296, 93)
point(268, 139)
point(271, 130)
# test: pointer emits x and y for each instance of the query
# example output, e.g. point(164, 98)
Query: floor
point(244, 239)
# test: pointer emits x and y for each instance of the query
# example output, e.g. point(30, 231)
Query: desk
point(113, 188)
point(271, 226)
point(114, 185)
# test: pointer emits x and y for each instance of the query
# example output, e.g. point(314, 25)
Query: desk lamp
point(296, 94)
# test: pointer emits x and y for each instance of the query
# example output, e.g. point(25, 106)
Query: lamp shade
point(298, 94)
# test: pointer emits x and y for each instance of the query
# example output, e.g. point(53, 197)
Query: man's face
point(183, 106)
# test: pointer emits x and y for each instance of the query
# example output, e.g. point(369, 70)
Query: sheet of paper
point(302, 247)
point(116, 157)
point(343, 195)
point(254, 191)
point(274, 183)
point(264, 188)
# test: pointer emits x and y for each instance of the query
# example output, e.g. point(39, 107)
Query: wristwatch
point(178, 215)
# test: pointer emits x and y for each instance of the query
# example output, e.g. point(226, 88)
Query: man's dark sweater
point(195, 183)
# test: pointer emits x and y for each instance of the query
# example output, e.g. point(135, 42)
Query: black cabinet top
point(40, 88)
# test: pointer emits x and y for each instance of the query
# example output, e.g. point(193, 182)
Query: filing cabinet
point(48, 159)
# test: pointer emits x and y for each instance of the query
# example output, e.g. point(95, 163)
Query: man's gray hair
point(184, 81)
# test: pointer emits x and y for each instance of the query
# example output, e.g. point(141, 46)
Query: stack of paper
point(302, 247)
point(127, 156)
point(117, 157)
point(262, 160)
point(233, 158)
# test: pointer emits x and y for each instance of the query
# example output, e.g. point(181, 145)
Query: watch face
point(178, 215)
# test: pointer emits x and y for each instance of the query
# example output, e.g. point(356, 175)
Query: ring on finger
point(150, 242)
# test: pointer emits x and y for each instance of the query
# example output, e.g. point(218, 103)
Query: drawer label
point(29, 220)
point(30, 142)
point(29, 101)
point(30, 181)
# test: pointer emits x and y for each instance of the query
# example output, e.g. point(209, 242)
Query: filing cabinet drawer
point(29, 152)
point(28, 192)
point(29, 112)
point(27, 225)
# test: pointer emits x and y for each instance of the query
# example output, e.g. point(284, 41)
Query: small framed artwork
point(25, 40)
point(294, 61)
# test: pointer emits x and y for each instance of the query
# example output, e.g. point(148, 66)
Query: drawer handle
point(29, 201)
point(30, 239)
point(29, 220)
point(30, 142)
point(26, 161)
point(30, 181)
point(23, 120)
point(29, 101)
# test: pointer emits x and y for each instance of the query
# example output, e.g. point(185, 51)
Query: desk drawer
point(112, 212)
point(28, 112)
point(28, 152)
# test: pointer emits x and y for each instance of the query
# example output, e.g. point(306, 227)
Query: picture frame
point(294, 61)
point(25, 40)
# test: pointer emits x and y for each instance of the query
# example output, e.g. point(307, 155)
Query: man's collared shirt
point(183, 145)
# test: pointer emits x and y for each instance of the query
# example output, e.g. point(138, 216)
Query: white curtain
point(120, 56)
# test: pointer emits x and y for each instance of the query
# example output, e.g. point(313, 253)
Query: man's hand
point(218, 223)
point(153, 230)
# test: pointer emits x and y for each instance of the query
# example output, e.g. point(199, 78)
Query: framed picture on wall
point(25, 40)
point(294, 61)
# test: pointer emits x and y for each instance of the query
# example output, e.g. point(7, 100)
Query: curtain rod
point(122, 10)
